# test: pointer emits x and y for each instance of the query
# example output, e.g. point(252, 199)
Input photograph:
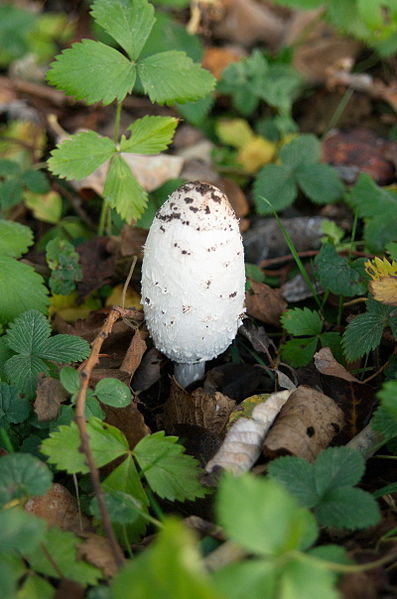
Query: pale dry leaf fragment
point(49, 396)
point(325, 363)
point(243, 443)
point(58, 507)
point(134, 353)
point(96, 550)
point(305, 426)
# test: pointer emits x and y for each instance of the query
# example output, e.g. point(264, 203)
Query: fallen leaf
point(216, 59)
point(383, 285)
point(49, 396)
point(235, 195)
point(305, 426)
point(129, 421)
point(46, 207)
point(132, 240)
point(234, 132)
point(264, 303)
point(325, 363)
point(134, 353)
point(254, 154)
point(98, 263)
point(132, 298)
point(96, 550)
point(148, 372)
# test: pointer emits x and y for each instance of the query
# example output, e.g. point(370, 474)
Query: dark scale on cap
point(147, 300)
point(233, 294)
point(186, 222)
point(162, 228)
point(189, 201)
point(217, 198)
point(208, 284)
point(193, 208)
point(207, 210)
point(185, 252)
point(168, 217)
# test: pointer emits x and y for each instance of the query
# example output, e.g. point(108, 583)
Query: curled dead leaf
point(264, 303)
point(325, 363)
point(49, 396)
point(96, 550)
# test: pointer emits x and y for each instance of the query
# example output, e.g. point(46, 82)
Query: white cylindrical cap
point(193, 277)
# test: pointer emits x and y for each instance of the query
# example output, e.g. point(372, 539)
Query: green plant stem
point(127, 541)
point(339, 109)
point(117, 119)
point(344, 568)
point(6, 440)
point(103, 217)
point(353, 234)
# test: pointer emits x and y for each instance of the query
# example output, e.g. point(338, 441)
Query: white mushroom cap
point(193, 277)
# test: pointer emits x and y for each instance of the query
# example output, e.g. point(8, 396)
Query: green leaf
point(299, 321)
point(63, 260)
point(11, 570)
point(65, 348)
point(28, 333)
point(297, 476)
point(170, 568)
point(15, 238)
point(70, 379)
point(300, 351)
point(305, 579)
point(169, 471)
point(168, 33)
point(36, 587)
point(129, 23)
point(13, 408)
point(20, 531)
point(122, 507)
point(21, 289)
point(275, 526)
point(79, 155)
point(35, 181)
point(22, 475)
point(122, 191)
point(364, 332)
point(54, 447)
point(107, 442)
point(302, 150)
point(63, 547)
point(253, 578)
point(274, 183)
point(170, 77)
point(149, 135)
point(22, 371)
point(348, 507)
point(337, 467)
point(196, 112)
point(320, 182)
point(388, 398)
point(93, 72)
point(113, 392)
point(335, 273)
point(382, 423)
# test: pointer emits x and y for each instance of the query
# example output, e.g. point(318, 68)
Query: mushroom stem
point(186, 373)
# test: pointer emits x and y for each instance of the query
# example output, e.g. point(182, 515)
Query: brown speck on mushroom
point(189, 200)
point(147, 300)
point(233, 294)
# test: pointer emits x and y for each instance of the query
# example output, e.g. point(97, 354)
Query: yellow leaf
point(384, 280)
point(234, 132)
point(132, 298)
point(66, 306)
point(46, 207)
point(256, 153)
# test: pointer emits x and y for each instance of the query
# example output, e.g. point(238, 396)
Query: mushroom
point(193, 278)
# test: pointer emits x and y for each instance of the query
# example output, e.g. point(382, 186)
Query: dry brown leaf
point(325, 363)
point(216, 59)
point(148, 371)
point(58, 507)
point(49, 396)
point(96, 550)
point(129, 420)
point(134, 353)
point(306, 425)
point(235, 195)
point(197, 408)
point(132, 241)
point(264, 303)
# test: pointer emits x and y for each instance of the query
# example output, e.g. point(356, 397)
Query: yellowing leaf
point(384, 280)
point(234, 132)
point(256, 153)
point(132, 298)
point(45, 207)
point(66, 306)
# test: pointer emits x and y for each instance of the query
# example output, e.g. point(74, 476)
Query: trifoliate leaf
point(306, 579)
point(302, 150)
point(170, 568)
point(170, 77)
point(63, 548)
point(20, 531)
point(28, 333)
point(113, 392)
point(348, 507)
point(299, 321)
point(336, 274)
point(54, 447)
point(93, 72)
point(13, 408)
point(22, 475)
point(364, 332)
point(23, 370)
point(15, 238)
point(276, 525)
point(123, 192)
point(320, 182)
point(79, 155)
point(63, 261)
point(299, 352)
point(149, 135)
point(21, 288)
point(169, 471)
point(297, 476)
point(129, 23)
point(275, 184)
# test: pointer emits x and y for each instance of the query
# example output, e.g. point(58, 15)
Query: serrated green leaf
point(15, 238)
point(79, 155)
point(299, 321)
point(122, 507)
point(300, 151)
point(337, 467)
point(13, 408)
point(196, 112)
point(169, 471)
point(168, 33)
point(274, 183)
point(93, 72)
point(70, 379)
point(348, 507)
point(28, 333)
point(23, 370)
point(306, 579)
point(65, 348)
point(320, 182)
point(149, 135)
point(107, 442)
point(22, 475)
point(364, 332)
point(170, 568)
point(72, 460)
point(123, 192)
point(36, 587)
point(382, 423)
point(297, 476)
point(63, 548)
point(113, 392)
point(21, 289)
point(35, 181)
point(11, 570)
point(253, 578)
point(20, 531)
point(331, 553)
point(335, 273)
point(300, 351)
point(128, 23)
point(277, 524)
point(63, 260)
point(170, 77)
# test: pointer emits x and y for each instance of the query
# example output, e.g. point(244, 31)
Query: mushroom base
point(186, 374)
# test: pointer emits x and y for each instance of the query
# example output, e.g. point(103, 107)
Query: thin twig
point(85, 375)
point(128, 279)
